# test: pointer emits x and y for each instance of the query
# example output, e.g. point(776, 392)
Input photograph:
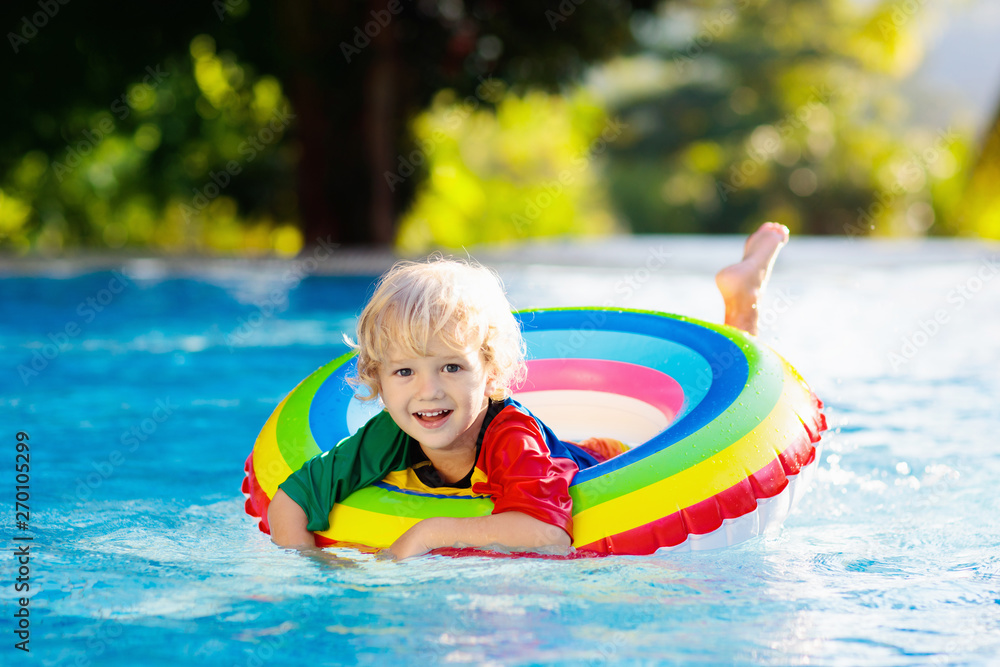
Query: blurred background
point(252, 128)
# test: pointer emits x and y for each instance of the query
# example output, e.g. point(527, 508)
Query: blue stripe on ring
point(329, 409)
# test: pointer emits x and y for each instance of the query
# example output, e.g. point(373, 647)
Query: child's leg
point(742, 284)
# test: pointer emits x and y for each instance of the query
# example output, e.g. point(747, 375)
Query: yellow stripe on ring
point(269, 465)
point(697, 483)
point(351, 524)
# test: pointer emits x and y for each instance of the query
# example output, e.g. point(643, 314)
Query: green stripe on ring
point(395, 503)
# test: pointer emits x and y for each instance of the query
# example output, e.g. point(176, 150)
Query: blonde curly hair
point(461, 304)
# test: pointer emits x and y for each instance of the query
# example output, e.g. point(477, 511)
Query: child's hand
point(512, 530)
point(414, 542)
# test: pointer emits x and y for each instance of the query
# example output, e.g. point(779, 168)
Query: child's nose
point(430, 388)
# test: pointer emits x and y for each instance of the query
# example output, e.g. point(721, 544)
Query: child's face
point(437, 399)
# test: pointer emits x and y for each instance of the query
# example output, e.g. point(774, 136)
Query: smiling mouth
point(432, 417)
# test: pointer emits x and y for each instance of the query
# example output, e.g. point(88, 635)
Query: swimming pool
point(142, 393)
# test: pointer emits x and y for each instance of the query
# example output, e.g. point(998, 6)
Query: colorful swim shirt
point(520, 465)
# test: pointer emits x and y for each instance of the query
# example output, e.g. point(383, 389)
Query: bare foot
point(742, 284)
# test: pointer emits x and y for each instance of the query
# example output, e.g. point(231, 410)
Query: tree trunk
point(345, 143)
point(380, 117)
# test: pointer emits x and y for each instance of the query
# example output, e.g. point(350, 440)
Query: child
point(440, 347)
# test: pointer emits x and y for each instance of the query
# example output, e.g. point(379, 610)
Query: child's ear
point(491, 384)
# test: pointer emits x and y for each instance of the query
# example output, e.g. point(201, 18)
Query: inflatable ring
point(720, 429)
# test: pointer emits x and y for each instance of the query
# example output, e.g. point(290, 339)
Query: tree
point(353, 73)
point(784, 110)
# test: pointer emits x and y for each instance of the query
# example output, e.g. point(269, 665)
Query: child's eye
point(403, 372)
point(452, 368)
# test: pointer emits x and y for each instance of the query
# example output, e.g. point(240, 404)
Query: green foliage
point(164, 165)
point(745, 111)
point(729, 112)
point(140, 182)
point(523, 170)
point(732, 113)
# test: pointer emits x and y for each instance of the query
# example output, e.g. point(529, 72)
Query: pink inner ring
point(614, 377)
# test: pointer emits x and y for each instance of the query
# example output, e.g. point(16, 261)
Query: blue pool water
point(142, 395)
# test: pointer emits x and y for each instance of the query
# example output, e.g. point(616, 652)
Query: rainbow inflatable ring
point(721, 428)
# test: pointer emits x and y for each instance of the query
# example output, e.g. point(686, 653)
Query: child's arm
point(512, 529)
point(288, 522)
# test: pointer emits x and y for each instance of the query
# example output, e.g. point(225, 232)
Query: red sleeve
point(522, 476)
